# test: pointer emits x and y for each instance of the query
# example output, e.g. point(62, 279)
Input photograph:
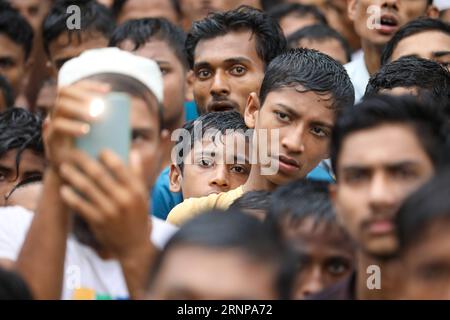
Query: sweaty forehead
point(232, 45)
point(436, 41)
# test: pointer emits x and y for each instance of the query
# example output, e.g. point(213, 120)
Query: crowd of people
point(269, 149)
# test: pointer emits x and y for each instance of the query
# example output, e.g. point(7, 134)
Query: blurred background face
point(12, 63)
point(291, 23)
point(426, 264)
point(330, 46)
point(32, 10)
point(174, 75)
point(325, 253)
point(437, 48)
point(374, 177)
point(136, 9)
point(394, 14)
point(213, 168)
point(197, 273)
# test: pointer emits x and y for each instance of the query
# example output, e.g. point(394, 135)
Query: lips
point(388, 24)
point(288, 165)
point(380, 226)
point(224, 105)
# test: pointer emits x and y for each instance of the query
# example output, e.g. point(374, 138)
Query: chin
point(383, 249)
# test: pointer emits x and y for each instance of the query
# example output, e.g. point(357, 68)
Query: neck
point(388, 278)
point(256, 181)
point(372, 56)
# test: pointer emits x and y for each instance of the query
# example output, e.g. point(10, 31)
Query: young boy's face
point(174, 75)
point(394, 14)
point(303, 122)
point(30, 164)
point(376, 169)
point(426, 264)
point(12, 63)
point(195, 273)
point(67, 46)
point(212, 167)
point(325, 253)
point(226, 70)
point(437, 48)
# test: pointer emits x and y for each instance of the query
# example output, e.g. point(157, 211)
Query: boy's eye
point(282, 116)
point(6, 63)
point(164, 71)
point(203, 74)
point(318, 131)
point(205, 163)
point(337, 267)
point(238, 70)
point(239, 169)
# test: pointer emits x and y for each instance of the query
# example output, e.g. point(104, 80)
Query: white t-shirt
point(359, 76)
point(86, 275)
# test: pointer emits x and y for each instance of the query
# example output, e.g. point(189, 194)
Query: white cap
point(113, 60)
point(442, 4)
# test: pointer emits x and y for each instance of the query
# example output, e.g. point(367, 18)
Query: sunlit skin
point(325, 253)
point(426, 264)
point(331, 47)
point(303, 122)
point(226, 70)
point(437, 47)
point(30, 165)
point(66, 47)
point(197, 273)
point(212, 167)
point(13, 65)
point(137, 9)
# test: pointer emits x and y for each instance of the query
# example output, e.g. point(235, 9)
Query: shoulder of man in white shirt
point(15, 222)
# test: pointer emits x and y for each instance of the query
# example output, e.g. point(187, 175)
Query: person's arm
point(41, 260)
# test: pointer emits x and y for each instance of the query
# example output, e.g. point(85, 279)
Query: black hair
point(253, 200)
point(13, 286)
point(425, 118)
point(319, 32)
point(426, 75)
point(412, 28)
point(133, 87)
point(220, 230)
point(95, 18)
point(429, 204)
point(7, 91)
point(267, 5)
point(16, 28)
point(270, 40)
point(141, 31)
point(118, 5)
point(20, 129)
point(216, 122)
point(314, 71)
point(298, 9)
point(302, 199)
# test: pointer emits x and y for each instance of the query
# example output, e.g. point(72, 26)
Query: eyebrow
point(234, 60)
point(391, 166)
point(295, 114)
point(438, 54)
point(288, 109)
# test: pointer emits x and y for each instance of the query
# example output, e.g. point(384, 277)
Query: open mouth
point(222, 106)
point(388, 24)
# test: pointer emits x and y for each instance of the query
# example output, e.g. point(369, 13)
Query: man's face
point(213, 167)
point(137, 9)
point(174, 75)
point(30, 165)
point(303, 121)
point(32, 10)
point(331, 47)
point(325, 253)
point(437, 47)
point(196, 273)
point(426, 264)
point(226, 70)
point(376, 169)
point(146, 137)
point(12, 62)
point(66, 47)
point(292, 22)
point(394, 14)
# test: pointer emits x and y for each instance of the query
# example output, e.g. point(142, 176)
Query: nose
point(220, 85)
point(313, 283)
point(381, 193)
point(292, 140)
point(390, 4)
point(220, 178)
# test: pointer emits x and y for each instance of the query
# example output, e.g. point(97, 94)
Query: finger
point(116, 166)
point(92, 193)
point(84, 89)
point(82, 207)
point(73, 109)
point(69, 127)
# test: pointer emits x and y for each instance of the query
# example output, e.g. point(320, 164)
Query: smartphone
point(111, 129)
